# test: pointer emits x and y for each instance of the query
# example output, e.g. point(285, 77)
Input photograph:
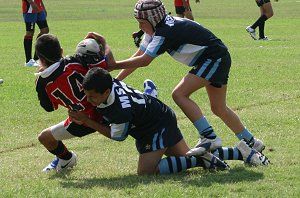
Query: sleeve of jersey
point(119, 132)
point(43, 98)
point(154, 48)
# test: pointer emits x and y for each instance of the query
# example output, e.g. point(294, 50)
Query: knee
point(178, 96)
point(45, 136)
point(218, 110)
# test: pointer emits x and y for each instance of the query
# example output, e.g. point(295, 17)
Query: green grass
point(263, 89)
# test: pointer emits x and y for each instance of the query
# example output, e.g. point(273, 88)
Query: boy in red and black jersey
point(59, 83)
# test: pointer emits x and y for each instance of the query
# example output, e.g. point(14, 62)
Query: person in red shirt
point(59, 83)
point(34, 12)
point(183, 9)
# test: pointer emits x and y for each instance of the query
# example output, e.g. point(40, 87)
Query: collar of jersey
point(47, 72)
point(110, 99)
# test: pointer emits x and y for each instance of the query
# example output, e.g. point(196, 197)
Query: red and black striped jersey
point(61, 84)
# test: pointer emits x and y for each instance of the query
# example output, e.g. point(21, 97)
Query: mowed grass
point(263, 90)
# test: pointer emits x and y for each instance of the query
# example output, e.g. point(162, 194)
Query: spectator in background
point(34, 12)
point(266, 12)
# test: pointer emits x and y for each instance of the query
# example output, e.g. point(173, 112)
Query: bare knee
point(46, 137)
point(178, 96)
point(218, 110)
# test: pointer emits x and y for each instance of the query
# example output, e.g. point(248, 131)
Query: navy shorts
point(167, 136)
point(215, 71)
point(31, 18)
point(262, 2)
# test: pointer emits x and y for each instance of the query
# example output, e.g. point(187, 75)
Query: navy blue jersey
point(131, 112)
point(185, 40)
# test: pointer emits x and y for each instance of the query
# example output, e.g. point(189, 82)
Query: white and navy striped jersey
point(131, 112)
point(186, 41)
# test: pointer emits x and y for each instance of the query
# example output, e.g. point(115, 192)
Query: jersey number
point(74, 80)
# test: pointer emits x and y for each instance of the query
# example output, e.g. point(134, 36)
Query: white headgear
point(152, 10)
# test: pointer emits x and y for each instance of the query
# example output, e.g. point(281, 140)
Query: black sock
point(61, 151)
point(259, 21)
point(27, 47)
point(262, 30)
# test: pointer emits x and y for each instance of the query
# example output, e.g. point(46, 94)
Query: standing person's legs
point(181, 95)
point(266, 11)
point(43, 26)
point(29, 20)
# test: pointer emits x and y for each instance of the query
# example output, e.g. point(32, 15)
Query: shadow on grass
point(190, 178)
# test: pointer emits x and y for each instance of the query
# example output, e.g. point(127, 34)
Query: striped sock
point(204, 128)
point(228, 153)
point(177, 164)
point(246, 135)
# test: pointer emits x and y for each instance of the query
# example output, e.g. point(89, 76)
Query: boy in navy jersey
point(148, 120)
point(195, 46)
point(154, 126)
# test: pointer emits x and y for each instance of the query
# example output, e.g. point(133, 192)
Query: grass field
point(263, 89)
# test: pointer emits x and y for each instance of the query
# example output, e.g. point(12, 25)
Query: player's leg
point(242, 152)
point(266, 13)
point(188, 11)
point(43, 26)
point(52, 138)
point(192, 82)
point(29, 20)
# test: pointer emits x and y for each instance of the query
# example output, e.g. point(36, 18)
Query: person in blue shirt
point(148, 120)
point(209, 59)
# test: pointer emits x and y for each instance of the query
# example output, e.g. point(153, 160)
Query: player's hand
point(77, 116)
point(137, 37)
point(34, 7)
point(98, 37)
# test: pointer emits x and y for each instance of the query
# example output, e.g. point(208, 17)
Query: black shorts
point(215, 71)
point(31, 25)
point(261, 2)
point(167, 136)
point(179, 9)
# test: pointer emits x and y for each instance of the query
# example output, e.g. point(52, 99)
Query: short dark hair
point(97, 79)
point(48, 48)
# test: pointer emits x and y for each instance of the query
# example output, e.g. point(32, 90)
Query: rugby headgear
point(152, 10)
point(89, 47)
point(90, 52)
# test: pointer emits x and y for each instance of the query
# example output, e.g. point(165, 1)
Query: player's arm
point(134, 62)
point(81, 117)
point(44, 99)
point(126, 72)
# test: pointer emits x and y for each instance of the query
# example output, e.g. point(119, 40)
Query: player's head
point(152, 10)
point(97, 85)
point(89, 46)
point(48, 49)
point(91, 51)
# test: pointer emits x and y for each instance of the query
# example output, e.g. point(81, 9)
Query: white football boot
point(205, 145)
point(251, 31)
point(150, 88)
point(212, 162)
point(258, 145)
point(31, 63)
point(65, 164)
point(51, 166)
point(252, 156)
